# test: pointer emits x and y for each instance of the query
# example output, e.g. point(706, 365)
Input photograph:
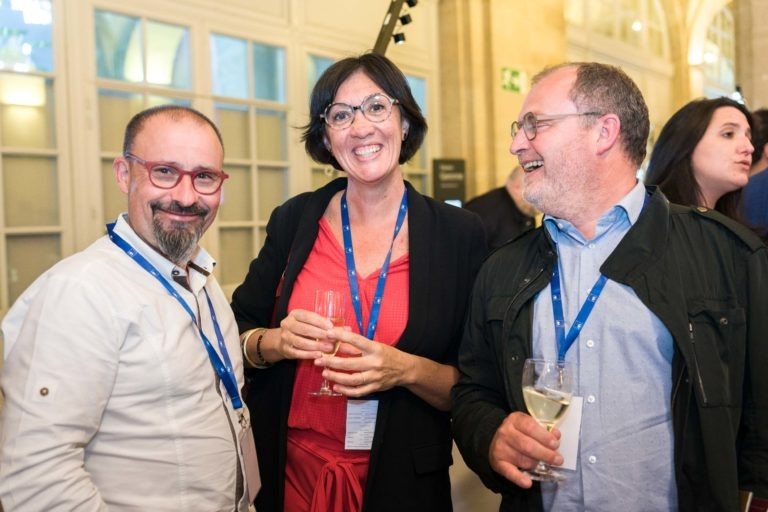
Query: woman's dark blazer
point(411, 450)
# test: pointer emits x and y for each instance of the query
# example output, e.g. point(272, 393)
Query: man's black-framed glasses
point(376, 108)
point(167, 175)
point(530, 123)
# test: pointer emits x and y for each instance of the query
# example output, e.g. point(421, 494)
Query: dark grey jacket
point(412, 442)
point(706, 278)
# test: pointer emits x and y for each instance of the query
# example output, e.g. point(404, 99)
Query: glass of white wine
point(547, 390)
point(330, 304)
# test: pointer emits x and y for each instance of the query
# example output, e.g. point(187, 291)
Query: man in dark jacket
point(671, 406)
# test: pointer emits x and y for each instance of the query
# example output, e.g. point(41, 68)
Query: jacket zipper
point(696, 364)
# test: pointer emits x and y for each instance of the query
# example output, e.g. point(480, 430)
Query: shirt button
point(591, 399)
point(591, 245)
point(592, 459)
point(590, 343)
point(43, 391)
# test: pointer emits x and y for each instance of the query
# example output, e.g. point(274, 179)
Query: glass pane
point(25, 35)
point(28, 257)
point(602, 15)
point(269, 72)
point(271, 133)
point(229, 58)
point(168, 58)
point(232, 121)
point(115, 110)
point(236, 254)
point(27, 113)
point(237, 198)
point(115, 202)
point(273, 189)
point(316, 67)
point(119, 48)
point(154, 100)
point(419, 90)
point(31, 189)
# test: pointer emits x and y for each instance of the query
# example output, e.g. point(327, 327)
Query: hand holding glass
point(547, 389)
point(330, 304)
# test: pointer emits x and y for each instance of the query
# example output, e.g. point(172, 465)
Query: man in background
point(504, 211)
point(123, 364)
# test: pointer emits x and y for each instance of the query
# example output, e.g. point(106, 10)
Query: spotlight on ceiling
point(411, 3)
point(399, 38)
point(405, 19)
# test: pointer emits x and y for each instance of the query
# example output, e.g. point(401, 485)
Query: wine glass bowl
point(547, 389)
point(329, 304)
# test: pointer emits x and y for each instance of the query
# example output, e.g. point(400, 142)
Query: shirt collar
point(628, 208)
point(201, 265)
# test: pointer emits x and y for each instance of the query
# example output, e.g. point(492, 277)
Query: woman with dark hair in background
point(703, 155)
point(356, 234)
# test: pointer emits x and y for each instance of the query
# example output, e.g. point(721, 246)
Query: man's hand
point(520, 443)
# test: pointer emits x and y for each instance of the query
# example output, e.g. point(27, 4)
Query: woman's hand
point(302, 335)
point(376, 367)
point(369, 366)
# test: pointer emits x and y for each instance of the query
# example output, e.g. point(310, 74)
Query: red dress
point(320, 475)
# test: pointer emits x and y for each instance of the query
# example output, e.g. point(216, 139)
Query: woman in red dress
point(406, 264)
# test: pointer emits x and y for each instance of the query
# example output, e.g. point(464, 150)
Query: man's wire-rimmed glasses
point(167, 175)
point(530, 123)
point(376, 108)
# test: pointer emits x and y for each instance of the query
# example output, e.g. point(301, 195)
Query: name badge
point(248, 455)
point(361, 423)
point(570, 428)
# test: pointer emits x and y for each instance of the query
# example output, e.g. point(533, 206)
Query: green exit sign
point(513, 80)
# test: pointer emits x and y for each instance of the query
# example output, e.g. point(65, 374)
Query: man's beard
point(178, 242)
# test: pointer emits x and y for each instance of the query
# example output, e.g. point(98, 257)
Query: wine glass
point(547, 389)
point(330, 304)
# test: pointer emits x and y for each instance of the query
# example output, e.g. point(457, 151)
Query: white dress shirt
point(111, 399)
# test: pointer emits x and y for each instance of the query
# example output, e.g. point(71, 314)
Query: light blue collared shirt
point(624, 359)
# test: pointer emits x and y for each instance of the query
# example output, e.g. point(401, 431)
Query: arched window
point(719, 55)
point(637, 23)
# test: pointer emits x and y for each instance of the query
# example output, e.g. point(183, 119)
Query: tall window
point(31, 225)
point(719, 55)
point(249, 87)
point(139, 63)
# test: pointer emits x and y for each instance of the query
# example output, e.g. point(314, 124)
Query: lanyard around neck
point(564, 341)
point(223, 368)
point(352, 273)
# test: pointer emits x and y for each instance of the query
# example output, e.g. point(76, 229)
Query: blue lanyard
point(223, 368)
point(352, 273)
point(564, 342)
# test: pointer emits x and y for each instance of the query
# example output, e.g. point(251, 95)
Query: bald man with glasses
point(123, 367)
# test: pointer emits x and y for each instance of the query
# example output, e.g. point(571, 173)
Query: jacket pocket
point(717, 331)
point(494, 319)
